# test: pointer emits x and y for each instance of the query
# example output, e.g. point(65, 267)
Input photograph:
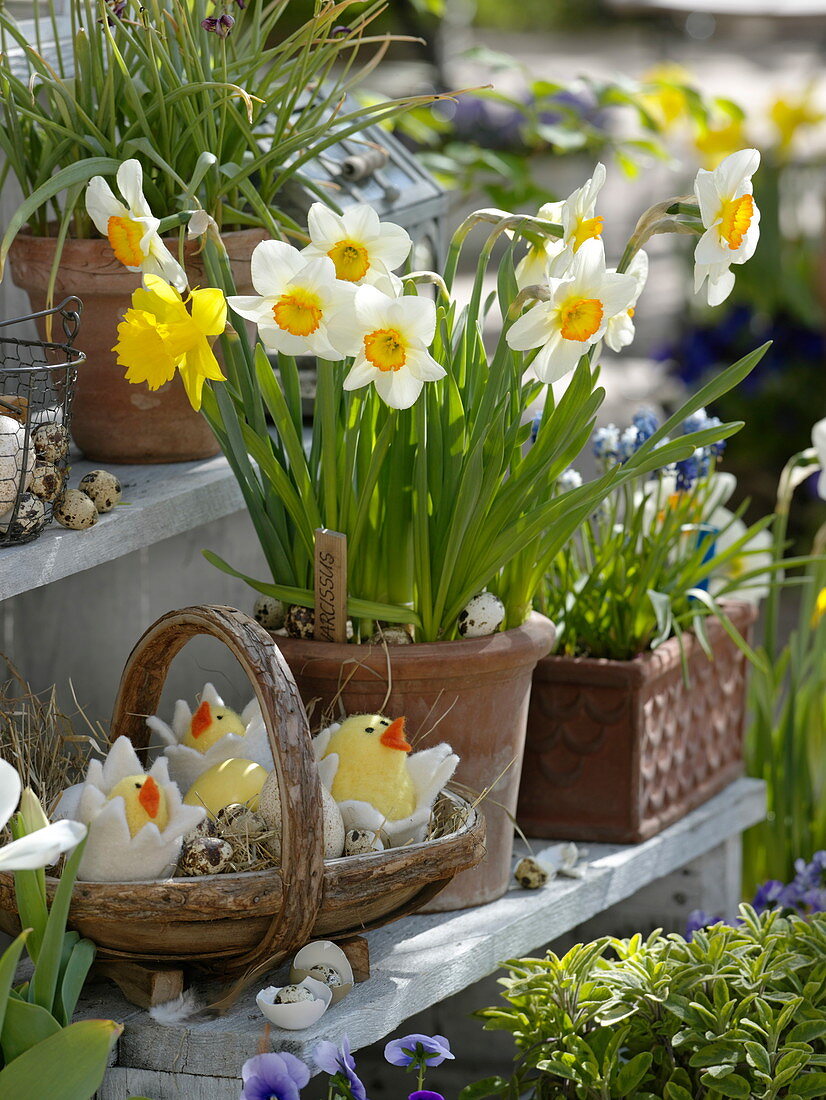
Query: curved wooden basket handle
point(302, 847)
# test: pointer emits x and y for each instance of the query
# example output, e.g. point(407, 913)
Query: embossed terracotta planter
point(472, 694)
point(113, 420)
point(618, 750)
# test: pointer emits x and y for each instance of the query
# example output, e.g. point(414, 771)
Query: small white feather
point(180, 1011)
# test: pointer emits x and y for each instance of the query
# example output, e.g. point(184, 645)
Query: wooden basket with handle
point(228, 924)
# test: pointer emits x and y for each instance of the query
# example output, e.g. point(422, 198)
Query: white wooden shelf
point(415, 963)
point(158, 501)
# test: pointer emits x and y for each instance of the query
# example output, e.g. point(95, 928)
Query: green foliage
point(786, 737)
point(736, 1012)
point(42, 1053)
point(224, 123)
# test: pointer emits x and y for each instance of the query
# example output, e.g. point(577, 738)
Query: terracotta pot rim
point(235, 234)
point(503, 650)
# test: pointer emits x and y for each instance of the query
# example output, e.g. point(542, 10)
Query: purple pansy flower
point(339, 1063)
point(418, 1050)
point(425, 1094)
point(769, 895)
point(273, 1077)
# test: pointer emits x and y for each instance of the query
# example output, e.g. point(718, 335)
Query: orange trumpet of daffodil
point(160, 335)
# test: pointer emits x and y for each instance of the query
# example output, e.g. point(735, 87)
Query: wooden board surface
point(424, 959)
point(158, 502)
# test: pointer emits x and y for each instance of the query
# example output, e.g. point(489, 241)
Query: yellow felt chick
point(372, 753)
point(143, 801)
point(209, 724)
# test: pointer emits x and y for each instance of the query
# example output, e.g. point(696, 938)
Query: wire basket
point(37, 382)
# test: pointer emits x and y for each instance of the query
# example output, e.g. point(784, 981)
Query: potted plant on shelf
point(418, 456)
point(638, 716)
point(163, 81)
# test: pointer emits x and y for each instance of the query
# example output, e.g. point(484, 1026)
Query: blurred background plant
point(786, 740)
point(658, 557)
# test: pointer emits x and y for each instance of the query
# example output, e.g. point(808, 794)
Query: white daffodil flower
point(580, 223)
point(819, 444)
point(297, 298)
point(731, 220)
point(581, 304)
point(620, 330)
point(361, 247)
point(41, 848)
point(757, 553)
point(389, 337)
point(130, 226)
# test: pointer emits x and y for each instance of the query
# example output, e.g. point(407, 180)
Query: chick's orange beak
point(150, 797)
point(201, 720)
point(393, 737)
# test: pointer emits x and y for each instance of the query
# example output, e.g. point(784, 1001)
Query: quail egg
point(295, 1006)
point(358, 842)
point(26, 521)
point(240, 821)
point(102, 488)
point(14, 467)
point(530, 874)
point(292, 994)
point(391, 635)
point(482, 615)
point(51, 442)
point(75, 510)
point(269, 612)
point(204, 855)
point(269, 806)
point(47, 481)
point(207, 827)
point(300, 621)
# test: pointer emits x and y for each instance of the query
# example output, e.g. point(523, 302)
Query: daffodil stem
point(691, 209)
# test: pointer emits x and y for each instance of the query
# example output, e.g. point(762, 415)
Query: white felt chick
point(196, 742)
point(136, 820)
point(367, 765)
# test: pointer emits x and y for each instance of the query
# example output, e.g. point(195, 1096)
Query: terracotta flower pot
point(618, 750)
point(114, 420)
point(471, 694)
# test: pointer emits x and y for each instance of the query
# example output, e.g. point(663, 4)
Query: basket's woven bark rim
point(302, 858)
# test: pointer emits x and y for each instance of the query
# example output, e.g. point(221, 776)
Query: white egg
point(14, 468)
point(269, 807)
point(482, 615)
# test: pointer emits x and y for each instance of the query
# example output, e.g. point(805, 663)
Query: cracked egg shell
point(323, 954)
point(295, 1015)
point(481, 615)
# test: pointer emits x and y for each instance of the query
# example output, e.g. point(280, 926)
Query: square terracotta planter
point(618, 750)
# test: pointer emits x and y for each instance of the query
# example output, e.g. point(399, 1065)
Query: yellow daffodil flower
point(731, 220)
point(791, 115)
point(819, 609)
point(160, 335)
point(575, 317)
point(715, 143)
point(132, 228)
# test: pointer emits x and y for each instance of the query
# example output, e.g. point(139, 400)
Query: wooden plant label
point(330, 586)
